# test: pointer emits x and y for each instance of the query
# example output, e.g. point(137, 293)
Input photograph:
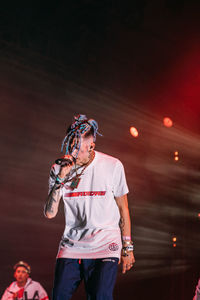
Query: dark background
point(123, 63)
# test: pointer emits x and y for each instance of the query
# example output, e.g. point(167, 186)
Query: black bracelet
point(126, 250)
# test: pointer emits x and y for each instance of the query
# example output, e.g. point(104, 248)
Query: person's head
point(80, 138)
point(21, 272)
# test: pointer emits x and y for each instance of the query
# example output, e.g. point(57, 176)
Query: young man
point(94, 190)
point(24, 288)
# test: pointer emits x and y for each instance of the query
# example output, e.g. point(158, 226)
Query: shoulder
point(107, 158)
point(10, 288)
point(198, 284)
point(12, 285)
point(33, 282)
point(108, 162)
point(36, 284)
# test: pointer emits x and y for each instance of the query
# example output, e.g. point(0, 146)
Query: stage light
point(134, 132)
point(167, 122)
point(199, 215)
point(176, 157)
point(174, 239)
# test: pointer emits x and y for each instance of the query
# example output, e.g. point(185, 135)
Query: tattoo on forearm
point(121, 224)
point(53, 200)
point(50, 204)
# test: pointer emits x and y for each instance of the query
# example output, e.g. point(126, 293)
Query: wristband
point(126, 238)
point(127, 248)
point(60, 180)
point(127, 243)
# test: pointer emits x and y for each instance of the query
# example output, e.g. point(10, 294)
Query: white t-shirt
point(91, 212)
point(32, 291)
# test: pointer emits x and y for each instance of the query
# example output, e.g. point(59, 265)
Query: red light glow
point(167, 122)
point(134, 132)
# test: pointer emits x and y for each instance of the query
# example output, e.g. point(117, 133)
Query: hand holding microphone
point(66, 163)
point(65, 160)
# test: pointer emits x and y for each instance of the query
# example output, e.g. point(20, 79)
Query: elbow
point(49, 215)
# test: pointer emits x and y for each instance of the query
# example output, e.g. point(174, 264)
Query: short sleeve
point(120, 187)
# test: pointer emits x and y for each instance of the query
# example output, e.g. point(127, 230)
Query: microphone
point(65, 161)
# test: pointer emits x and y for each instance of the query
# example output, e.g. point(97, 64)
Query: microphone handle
point(63, 162)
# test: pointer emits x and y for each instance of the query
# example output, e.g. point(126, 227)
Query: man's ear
point(92, 146)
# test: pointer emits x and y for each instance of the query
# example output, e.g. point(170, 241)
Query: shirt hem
point(88, 256)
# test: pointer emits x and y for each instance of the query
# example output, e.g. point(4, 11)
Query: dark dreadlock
point(80, 126)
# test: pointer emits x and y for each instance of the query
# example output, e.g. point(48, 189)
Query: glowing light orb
point(167, 122)
point(174, 239)
point(134, 132)
point(176, 157)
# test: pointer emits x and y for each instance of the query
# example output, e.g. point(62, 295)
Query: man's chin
point(78, 161)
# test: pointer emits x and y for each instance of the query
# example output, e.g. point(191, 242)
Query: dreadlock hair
point(81, 126)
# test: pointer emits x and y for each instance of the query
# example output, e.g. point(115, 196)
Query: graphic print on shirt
point(113, 247)
point(20, 293)
point(89, 193)
point(66, 241)
point(35, 296)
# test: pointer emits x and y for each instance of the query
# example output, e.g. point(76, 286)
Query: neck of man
point(88, 160)
point(21, 284)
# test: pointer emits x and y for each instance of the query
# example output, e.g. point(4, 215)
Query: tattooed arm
point(53, 199)
point(52, 203)
point(55, 189)
point(125, 225)
point(125, 222)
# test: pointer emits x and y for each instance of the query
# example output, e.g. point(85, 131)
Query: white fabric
point(32, 290)
point(197, 293)
point(91, 213)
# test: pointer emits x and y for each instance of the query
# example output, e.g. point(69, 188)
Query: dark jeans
point(99, 276)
